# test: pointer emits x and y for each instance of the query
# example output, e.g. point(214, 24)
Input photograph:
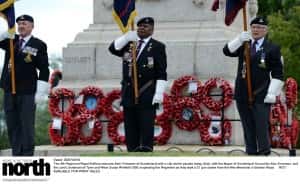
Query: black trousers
point(256, 127)
point(20, 115)
point(139, 128)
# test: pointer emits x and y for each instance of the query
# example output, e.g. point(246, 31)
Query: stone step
point(78, 150)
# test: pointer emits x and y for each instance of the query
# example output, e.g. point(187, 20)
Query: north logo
point(37, 167)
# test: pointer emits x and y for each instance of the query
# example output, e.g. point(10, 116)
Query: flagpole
point(134, 69)
point(12, 66)
point(247, 58)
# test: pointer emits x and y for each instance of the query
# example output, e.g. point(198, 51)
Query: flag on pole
point(7, 11)
point(124, 13)
point(232, 9)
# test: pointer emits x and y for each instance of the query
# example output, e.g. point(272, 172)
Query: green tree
point(268, 7)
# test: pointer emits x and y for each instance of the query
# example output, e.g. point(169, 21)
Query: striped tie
point(139, 46)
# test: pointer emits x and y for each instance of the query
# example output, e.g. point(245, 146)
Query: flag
point(232, 9)
point(124, 13)
point(7, 11)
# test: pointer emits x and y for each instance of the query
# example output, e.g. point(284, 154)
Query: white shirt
point(146, 40)
point(259, 43)
point(26, 39)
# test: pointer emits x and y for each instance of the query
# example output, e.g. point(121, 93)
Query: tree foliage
point(268, 7)
point(284, 29)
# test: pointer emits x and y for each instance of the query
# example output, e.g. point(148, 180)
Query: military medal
point(32, 51)
point(262, 63)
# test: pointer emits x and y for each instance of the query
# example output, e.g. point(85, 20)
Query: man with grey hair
point(265, 61)
point(31, 87)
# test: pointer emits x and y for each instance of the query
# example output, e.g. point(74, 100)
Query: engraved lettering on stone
point(199, 3)
point(77, 59)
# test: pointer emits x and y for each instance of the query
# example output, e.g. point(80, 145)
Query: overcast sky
point(56, 21)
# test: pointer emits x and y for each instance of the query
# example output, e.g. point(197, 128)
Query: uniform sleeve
point(161, 63)
point(228, 53)
point(42, 63)
point(113, 50)
point(4, 44)
point(276, 67)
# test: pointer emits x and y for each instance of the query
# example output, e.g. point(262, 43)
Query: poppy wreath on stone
point(166, 109)
point(213, 131)
point(55, 102)
point(294, 131)
point(93, 124)
point(113, 129)
point(227, 92)
point(107, 103)
point(165, 128)
point(181, 84)
point(279, 133)
point(187, 113)
point(70, 132)
point(291, 93)
point(91, 104)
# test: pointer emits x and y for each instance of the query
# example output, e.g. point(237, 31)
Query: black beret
point(259, 20)
point(146, 20)
point(25, 18)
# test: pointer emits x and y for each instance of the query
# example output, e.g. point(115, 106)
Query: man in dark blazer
point(152, 79)
point(266, 78)
point(31, 87)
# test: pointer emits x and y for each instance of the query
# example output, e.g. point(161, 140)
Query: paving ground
point(51, 150)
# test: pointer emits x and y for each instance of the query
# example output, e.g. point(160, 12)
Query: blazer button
point(140, 76)
point(128, 83)
point(144, 65)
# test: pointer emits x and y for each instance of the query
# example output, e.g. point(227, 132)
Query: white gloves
point(273, 91)
point(42, 91)
point(6, 35)
point(159, 91)
point(238, 41)
point(124, 39)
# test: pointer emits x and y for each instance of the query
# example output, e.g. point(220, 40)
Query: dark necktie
point(139, 46)
point(20, 44)
point(253, 48)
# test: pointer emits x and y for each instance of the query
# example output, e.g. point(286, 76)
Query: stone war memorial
point(194, 36)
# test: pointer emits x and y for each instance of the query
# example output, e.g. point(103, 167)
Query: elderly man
point(152, 76)
point(265, 62)
point(31, 87)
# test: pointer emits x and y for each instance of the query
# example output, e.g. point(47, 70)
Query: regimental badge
point(28, 58)
point(262, 62)
point(150, 63)
point(149, 47)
